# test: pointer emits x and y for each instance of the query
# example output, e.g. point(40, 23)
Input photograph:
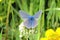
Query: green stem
point(31, 8)
point(7, 20)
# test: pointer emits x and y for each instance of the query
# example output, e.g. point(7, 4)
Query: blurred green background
point(10, 17)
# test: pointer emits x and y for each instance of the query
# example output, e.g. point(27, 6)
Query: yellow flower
point(43, 39)
point(49, 32)
point(52, 35)
point(58, 31)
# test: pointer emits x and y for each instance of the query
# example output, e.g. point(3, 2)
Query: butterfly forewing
point(23, 15)
point(38, 14)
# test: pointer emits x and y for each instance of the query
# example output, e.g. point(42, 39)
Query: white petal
point(21, 27)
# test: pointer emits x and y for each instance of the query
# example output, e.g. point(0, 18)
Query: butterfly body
point(29, 21)
point(31, 18)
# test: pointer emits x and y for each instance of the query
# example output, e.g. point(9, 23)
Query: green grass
point(10, 18)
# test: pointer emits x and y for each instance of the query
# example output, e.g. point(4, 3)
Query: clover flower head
point(21, 27)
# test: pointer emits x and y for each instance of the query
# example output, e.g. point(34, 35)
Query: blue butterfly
point(30, 21)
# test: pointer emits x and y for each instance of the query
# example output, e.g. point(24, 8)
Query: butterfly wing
point(27, 24)
point(30, 24)
point(23, 15)
point(36, 16)
point(34, 23)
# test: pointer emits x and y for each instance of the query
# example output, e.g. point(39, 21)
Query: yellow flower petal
point(43, 39)
point(59, 38)
point(49, 32)
point(58, 31)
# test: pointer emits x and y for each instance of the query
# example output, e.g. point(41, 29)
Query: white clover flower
point(31, 31)
point(21, 27)
point(20, 36)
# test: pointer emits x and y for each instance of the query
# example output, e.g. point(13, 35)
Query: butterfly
point(30, 21)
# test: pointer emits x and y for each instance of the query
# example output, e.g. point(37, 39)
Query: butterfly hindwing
point(30, 24)
point(34, 23)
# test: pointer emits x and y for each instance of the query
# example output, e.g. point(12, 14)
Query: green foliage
point(10, 18)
